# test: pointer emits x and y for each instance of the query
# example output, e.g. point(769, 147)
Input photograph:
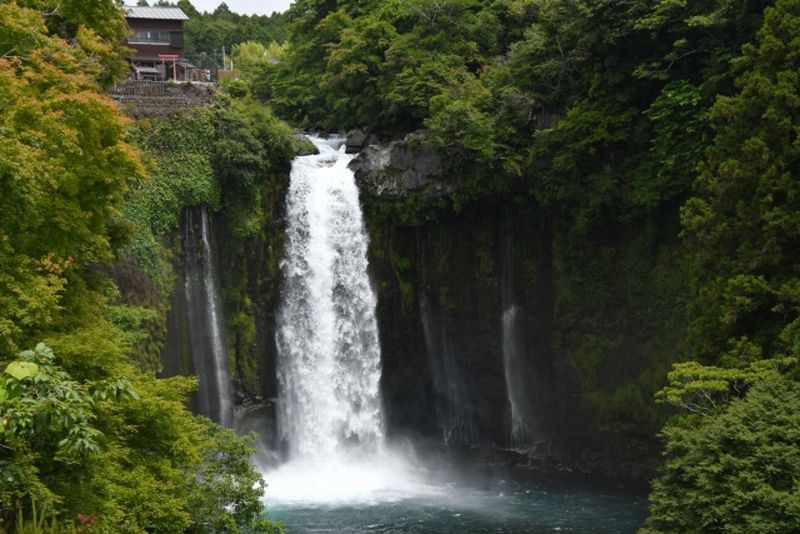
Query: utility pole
point(223, 57)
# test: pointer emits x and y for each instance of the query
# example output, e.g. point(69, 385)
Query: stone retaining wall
point(152, 99)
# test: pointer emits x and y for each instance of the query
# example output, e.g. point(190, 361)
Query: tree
point(188, 8)
point(47, 420)
point(207, 33)
point(250, 149)
point(743, 226)
point(64, 168)
point(126, 453)
point(82, 428)
point(732, 461)
point(734, 472)
point(96, 29)
point(250, 57)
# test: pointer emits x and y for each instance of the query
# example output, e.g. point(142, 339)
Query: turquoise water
point(519, 503)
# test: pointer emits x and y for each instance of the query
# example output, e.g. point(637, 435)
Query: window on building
point(150, 36)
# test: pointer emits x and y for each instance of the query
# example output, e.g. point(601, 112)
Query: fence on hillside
point(142, 98)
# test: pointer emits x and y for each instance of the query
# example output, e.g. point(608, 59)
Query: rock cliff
point(400, 168)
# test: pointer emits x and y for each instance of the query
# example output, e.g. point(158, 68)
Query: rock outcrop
point(357, 140)
point(401, 168)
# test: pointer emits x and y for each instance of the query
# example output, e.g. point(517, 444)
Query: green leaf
point(22, 370)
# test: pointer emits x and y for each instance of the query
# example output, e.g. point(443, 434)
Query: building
point(157, 38)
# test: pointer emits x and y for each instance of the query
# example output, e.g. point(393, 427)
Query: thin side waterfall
point(207, 343)
point(453, 407)
point(513, 348)
point(330, 414)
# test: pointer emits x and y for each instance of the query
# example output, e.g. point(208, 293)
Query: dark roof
point(159, 13)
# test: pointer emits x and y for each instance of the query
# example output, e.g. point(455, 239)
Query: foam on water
point(347, 480)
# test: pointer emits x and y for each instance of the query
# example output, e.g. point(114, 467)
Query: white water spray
point(453, 406)
point(330, 416)
point(329, 356)
point(514, 375)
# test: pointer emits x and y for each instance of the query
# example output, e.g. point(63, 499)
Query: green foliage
point(47, 421)
point(459, 114)
point(96, 30)
point(127, 452)
point(207, 33)
point(731, 463)
point(64, 168)
point(82, 429)
point(129, 320)
point(137, 326)
point(250, 56)
point(378, 63)
point(737, 472)
point(562, 97)
point(250, 152)
point(190, 474)
point(178, 153)
point(706, 390)
point(743, 227)
point(43, 520)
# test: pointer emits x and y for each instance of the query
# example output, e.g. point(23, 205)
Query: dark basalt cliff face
point(400, 168)
point(602, 318)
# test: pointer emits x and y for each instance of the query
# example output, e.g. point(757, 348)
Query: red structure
point(170, 57)
point(157, 38)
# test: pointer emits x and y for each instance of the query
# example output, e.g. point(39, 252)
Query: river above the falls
point(501, 501)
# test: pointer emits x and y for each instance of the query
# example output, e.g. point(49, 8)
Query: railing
point(141, 88)
point(142, 98)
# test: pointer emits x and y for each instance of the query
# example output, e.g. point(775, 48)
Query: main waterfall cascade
point(329, 355)
point(330, 415)
point(339, 474)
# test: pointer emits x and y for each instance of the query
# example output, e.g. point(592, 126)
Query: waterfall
point(453, 407)
point(329, 364)
point(198, 311)
point(330, 415)
point(512, 344)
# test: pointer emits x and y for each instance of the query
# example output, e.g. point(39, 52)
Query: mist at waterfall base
point(340, 473)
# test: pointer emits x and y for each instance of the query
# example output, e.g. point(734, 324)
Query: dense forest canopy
point(511, 84)
point(595, 112)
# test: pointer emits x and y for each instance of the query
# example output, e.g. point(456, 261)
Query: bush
point(738, 471)
point(126, 453)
